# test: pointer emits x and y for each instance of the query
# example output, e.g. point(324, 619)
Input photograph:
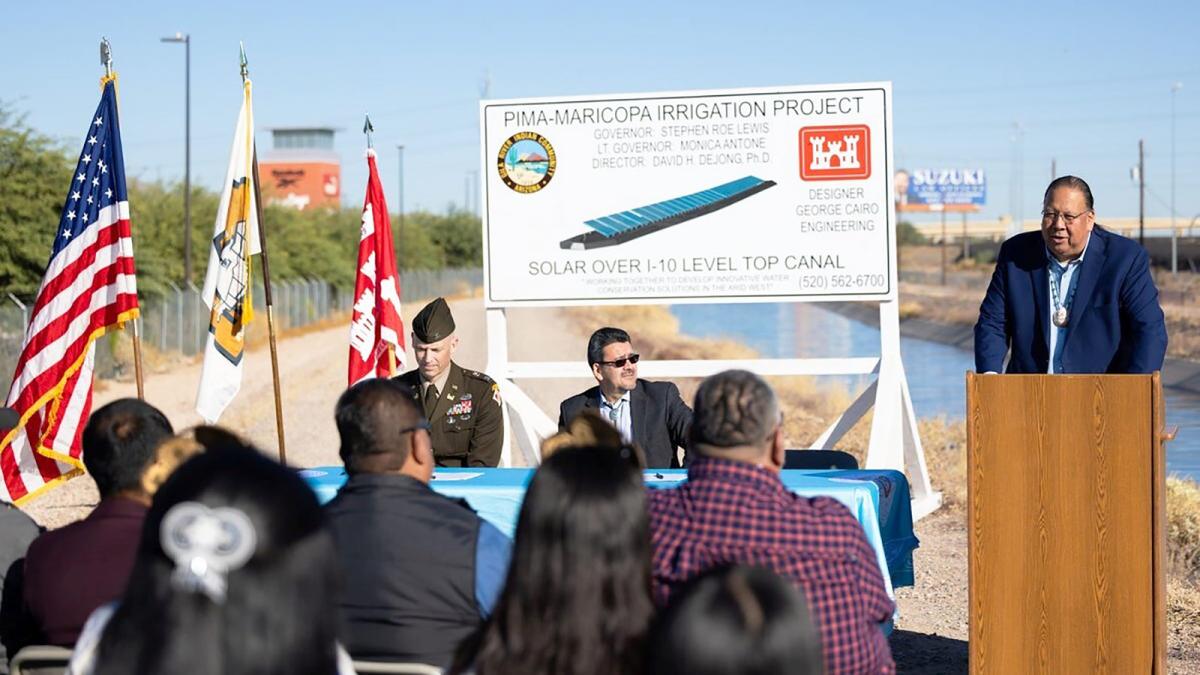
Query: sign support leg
point(895, 439)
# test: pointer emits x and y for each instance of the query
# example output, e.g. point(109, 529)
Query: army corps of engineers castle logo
point(839, 152)
point(526, 162)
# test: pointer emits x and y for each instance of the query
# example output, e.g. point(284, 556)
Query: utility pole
point(966, 239)
point(1174, 238)
point(1015, 186)
point(945, 243)
point(475, 191)
point(485, 90)
point(1020, 179)
point(1053, 168)
point(1141, 193)
point(186, 39)
point(485, 84)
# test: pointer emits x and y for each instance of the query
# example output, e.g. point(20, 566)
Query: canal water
point(935, 371)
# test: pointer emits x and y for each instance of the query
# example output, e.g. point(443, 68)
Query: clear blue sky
point(1083, 80)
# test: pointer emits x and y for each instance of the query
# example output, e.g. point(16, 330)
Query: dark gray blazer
point(661, 420)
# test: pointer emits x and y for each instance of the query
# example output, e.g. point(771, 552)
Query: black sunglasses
point(620, 363)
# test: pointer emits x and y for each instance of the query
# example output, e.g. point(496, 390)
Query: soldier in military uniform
point(462, 406)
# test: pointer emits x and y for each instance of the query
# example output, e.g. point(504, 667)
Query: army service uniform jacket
point(467, 422)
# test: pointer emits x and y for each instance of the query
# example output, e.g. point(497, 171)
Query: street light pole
point(1016, 191)
point(1020, 178)
point(1141, 176)
point(1175, 87)
point(186, 39)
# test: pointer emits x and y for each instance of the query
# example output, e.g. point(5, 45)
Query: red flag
point(89, 286)
point(375, 323)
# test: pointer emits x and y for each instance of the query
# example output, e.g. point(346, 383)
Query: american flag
point(89, 287)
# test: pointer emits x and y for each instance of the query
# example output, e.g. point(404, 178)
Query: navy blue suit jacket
point(661, 420)
point(1116, 324)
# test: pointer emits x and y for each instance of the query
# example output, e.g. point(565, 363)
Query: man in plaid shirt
point(735, 509)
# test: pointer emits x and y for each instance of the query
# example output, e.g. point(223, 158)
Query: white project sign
point(736, 195)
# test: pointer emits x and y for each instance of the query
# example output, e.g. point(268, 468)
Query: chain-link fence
point(956, 278)
point(176, 324)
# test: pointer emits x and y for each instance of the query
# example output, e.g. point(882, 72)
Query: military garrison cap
point(434, 322)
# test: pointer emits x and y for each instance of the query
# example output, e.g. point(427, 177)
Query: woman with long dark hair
point(235, 574)
point(577, 599)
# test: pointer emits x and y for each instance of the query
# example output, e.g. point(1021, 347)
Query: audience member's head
point(119, 441)
point(235, 574)
point(383, 431)
point(173, 452)
point(736, 416)
point(588, 430)
point(736, 621)
point(577, 598)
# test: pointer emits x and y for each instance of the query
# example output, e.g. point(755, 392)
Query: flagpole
point(106, 61)
point(137, 356)
point(368, 128)
point(266, 269)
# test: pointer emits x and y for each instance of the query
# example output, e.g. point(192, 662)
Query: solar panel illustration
point(624, 226)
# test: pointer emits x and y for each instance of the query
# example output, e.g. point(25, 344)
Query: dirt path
point(313, 374)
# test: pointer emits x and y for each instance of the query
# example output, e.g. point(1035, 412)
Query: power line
point(426, 108)
point(1045, 123)
point(940, 91)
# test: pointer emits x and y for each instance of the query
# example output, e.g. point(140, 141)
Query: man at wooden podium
point(1072, 298)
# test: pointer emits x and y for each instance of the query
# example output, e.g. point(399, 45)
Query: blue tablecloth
point(878, 499)
point(895, 518)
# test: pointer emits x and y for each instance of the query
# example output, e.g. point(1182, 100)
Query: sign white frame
point(895, 442)
point(508, 236)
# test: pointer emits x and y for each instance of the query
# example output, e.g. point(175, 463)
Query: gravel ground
point(931, 633)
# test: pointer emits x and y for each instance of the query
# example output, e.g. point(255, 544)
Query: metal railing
point(175, 324)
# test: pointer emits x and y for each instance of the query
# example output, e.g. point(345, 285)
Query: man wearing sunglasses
point(1072, 298)
point(651, 415)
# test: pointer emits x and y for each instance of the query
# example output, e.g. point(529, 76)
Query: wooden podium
point(1066, 517)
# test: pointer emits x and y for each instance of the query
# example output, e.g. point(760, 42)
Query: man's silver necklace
point(1062, 311)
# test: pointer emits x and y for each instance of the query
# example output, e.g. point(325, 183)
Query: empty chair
point(819, 459)
point(40, 659)
point(363, 667)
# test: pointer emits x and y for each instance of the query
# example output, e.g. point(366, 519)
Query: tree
point(907, 233)
point(459, 235)
point(156, 216)
point(35, 173)
point(414, 249)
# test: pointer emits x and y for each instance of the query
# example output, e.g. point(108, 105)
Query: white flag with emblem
point(228, 281)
